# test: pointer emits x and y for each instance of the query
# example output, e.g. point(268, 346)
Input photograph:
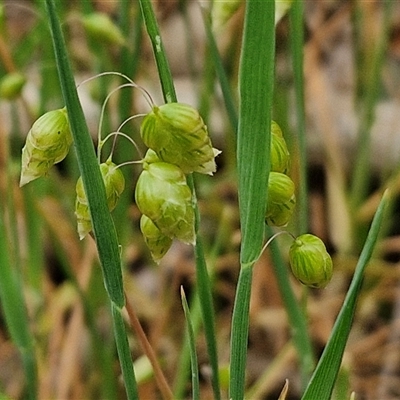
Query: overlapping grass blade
point(323, 380)
point(103, 227)
point(222, 77)
point(361, 173)
point(15, 313)
point(203, 281)
point(253, 149)
point(297, 48)
point(192, 345)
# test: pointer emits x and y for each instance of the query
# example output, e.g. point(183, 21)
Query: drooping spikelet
point(156, 241)
point(178, 134)
point(163, 195)
point(311, 264)
point(281, 199)
point(47, 143)
point(114, 183)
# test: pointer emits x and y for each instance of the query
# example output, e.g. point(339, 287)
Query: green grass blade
point(253, 149)
point(182, 374)
point(207, 310)
point(192, 345)
point(323, 380)
point(124, 353)
point(361, 173)
point(297, 45)
point(164, 70)
point(220, 70)
point(15, 313)
point(203, 281)
point(103, 227)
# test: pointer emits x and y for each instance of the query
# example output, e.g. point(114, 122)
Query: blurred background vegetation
point(352, 115)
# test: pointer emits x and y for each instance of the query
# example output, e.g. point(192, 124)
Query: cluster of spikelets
point(178, 143)
point(310, 262)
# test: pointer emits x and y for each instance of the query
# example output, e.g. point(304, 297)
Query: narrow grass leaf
point(124, 352)
point(164, 70)
point(322, 382)
point(221, 74)
point(297, 45)
point(103, 227)
point(185, 356)
point(253, 148)
point(192, 345)
point(15, 313)
point(370, 97)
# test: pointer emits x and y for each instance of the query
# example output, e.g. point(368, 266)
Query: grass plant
point(168, 332)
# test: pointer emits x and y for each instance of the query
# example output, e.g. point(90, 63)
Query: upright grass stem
point(360, 178)
point(103, 227)
point(13, 302)
point(203, 281)
point(253, 148)
point(297, 45)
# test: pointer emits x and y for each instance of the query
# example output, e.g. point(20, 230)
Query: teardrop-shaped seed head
point(163, 195)
point(311, 264)
point(114, 183)
point(281, 199)
point(177, 133)
point(47, 143)
point(156, 241)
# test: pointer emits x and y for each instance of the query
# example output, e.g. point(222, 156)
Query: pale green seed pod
point(156, 241)
point(281, 199)
point(280, 156)
point(101, 28)
point(47, 143)
point(177, 133)
point(114, 183)
point(163, 195)
point(11, 85)
point(310, 262)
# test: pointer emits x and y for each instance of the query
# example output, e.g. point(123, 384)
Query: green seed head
point(177, 133)
point(281, 199)
point(280, 157)
point(100, 27)
point(47, 143)
point(11, 85)
point(156, 241)
point(310, 262)
point(114, 183)
point(163, 195)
